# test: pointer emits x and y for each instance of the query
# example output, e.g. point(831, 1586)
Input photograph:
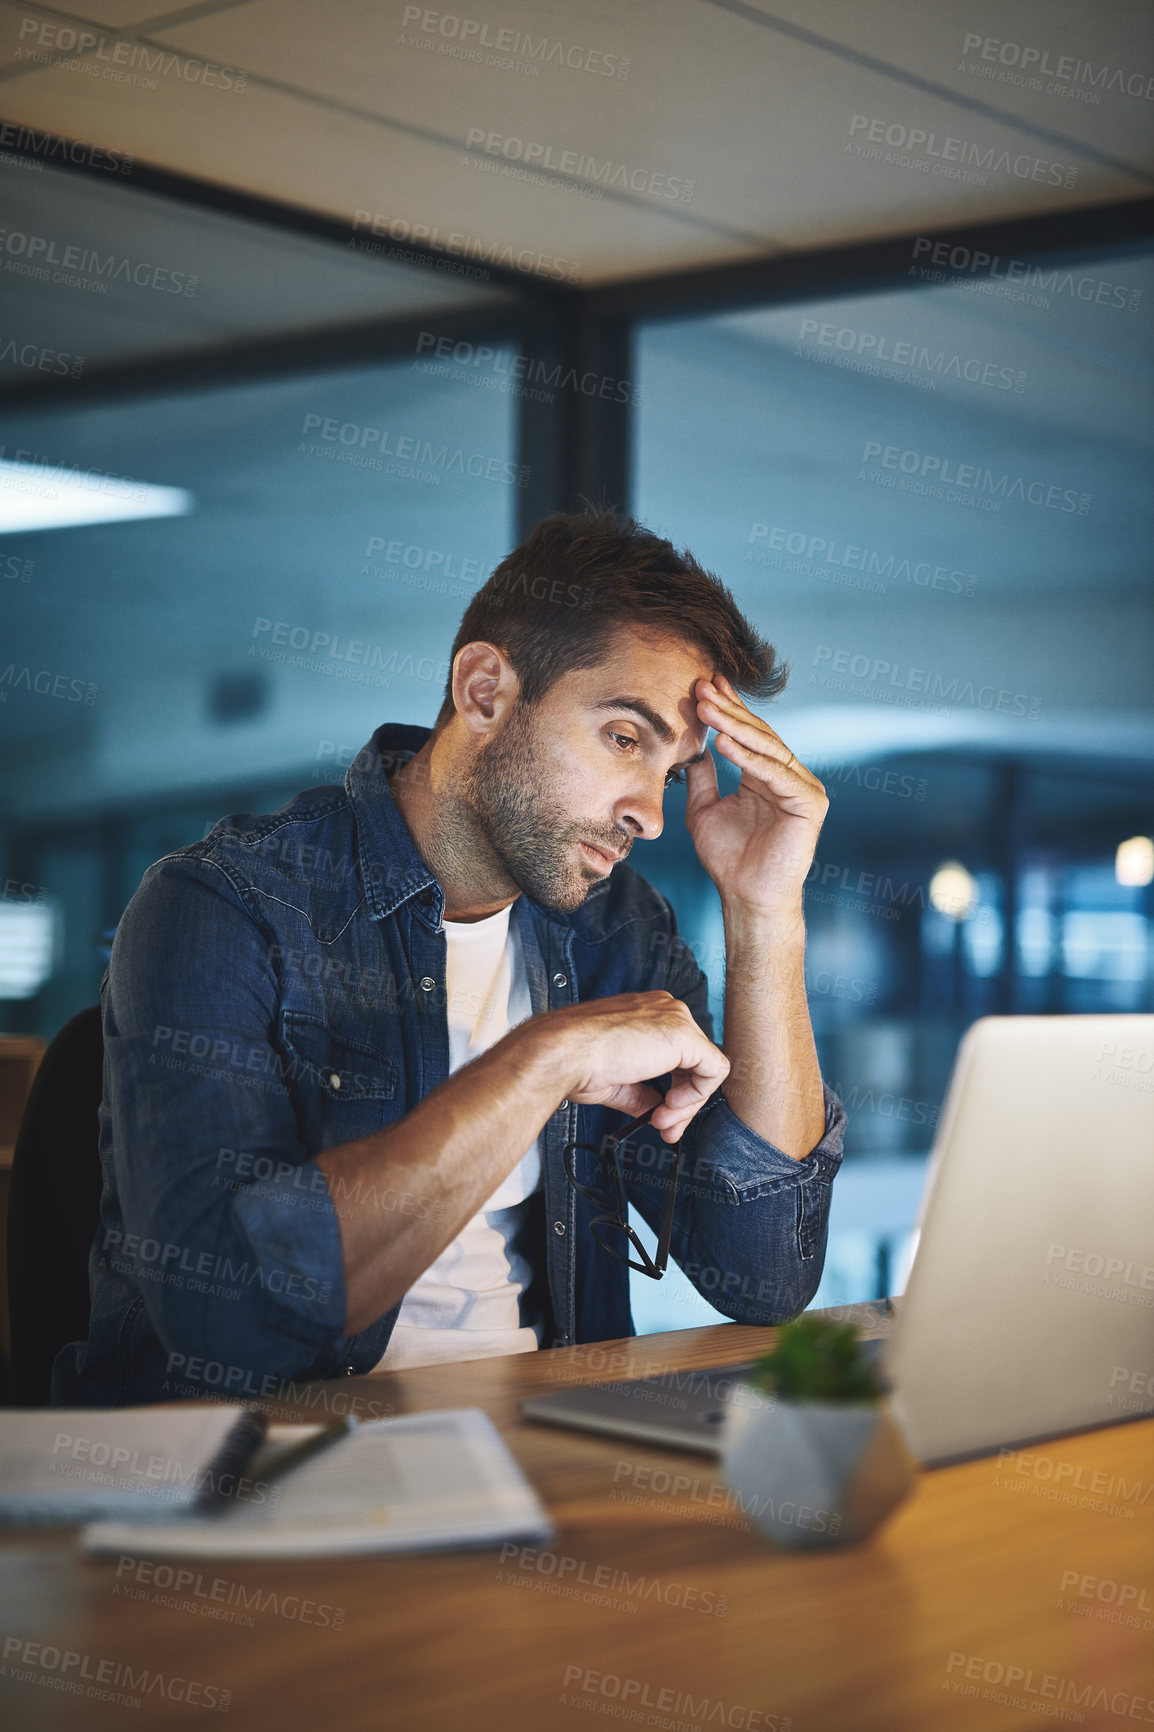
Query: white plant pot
point(815, 1473)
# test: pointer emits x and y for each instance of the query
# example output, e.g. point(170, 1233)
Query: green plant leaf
point(815, 1359)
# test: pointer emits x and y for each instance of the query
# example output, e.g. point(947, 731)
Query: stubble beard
point(525, 825)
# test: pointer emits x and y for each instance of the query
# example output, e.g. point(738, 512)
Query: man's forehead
point(664, 668)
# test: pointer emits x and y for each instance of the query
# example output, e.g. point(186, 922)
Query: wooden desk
point(980, 1570)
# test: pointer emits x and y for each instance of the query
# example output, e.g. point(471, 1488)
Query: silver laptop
point(675, 1409)
point(1029, 1309)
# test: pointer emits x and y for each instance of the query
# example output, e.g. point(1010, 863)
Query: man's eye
point(628, 743)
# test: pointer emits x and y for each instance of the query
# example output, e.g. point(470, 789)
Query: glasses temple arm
point(666, 1233)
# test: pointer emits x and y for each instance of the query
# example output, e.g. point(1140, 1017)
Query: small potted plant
point(823, 1462)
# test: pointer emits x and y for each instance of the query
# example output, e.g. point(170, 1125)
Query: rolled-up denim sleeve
point(227, 1222)
point(751, 1223)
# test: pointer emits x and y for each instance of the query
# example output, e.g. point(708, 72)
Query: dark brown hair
point(553, 604)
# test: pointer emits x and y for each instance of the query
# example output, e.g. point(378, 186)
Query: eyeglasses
point(609, 1227)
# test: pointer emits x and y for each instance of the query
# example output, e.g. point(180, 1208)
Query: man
point(347, 1044)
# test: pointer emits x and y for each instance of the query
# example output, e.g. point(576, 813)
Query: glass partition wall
point(931, 500)
point(927, 494)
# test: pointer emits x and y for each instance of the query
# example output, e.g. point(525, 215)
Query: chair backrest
point(54, 1206)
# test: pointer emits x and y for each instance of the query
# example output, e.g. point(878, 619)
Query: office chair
point(54, 1206)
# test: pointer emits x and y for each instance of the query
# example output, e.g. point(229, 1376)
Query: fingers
point(651, 1033)
point(701, 788)
point(697, 1070)
point(636, 1099)
point(748, 741)
point(703, 1068)
point(700, 1066)
point(684, 1099)
point(673, 1130)
point(689, 1091)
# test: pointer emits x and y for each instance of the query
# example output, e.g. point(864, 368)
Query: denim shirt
point(278, 989)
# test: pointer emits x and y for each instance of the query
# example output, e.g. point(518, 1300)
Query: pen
point(221, 1479)
point(214, 1500)
point(310, 1446)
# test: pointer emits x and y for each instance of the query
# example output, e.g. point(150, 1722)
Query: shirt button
point(427, 983)
point(560, 980)
point(349, 1370)
point(334, 1081)
point(559, 1229)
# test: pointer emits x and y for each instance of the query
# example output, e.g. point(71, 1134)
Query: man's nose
point(641, 815)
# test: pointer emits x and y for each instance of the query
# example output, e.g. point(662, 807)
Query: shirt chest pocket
point(342, 1087)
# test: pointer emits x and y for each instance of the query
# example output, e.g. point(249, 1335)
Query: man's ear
point(485, 688)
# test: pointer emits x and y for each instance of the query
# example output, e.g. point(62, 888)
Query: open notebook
point(68, 1465)
point(420, 1482)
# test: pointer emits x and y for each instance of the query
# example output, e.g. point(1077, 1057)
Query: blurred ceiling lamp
point(40, 496)
point(1134, 862)
point(953, 892)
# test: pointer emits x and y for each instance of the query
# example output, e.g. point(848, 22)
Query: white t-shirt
point(466, 1305)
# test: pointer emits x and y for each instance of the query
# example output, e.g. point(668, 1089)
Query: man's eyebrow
point(648, 714)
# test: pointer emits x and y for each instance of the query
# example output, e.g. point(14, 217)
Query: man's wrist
point(763, 929)
point(540, 1052)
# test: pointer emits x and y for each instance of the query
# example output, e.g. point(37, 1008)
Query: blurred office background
point(881, 358)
